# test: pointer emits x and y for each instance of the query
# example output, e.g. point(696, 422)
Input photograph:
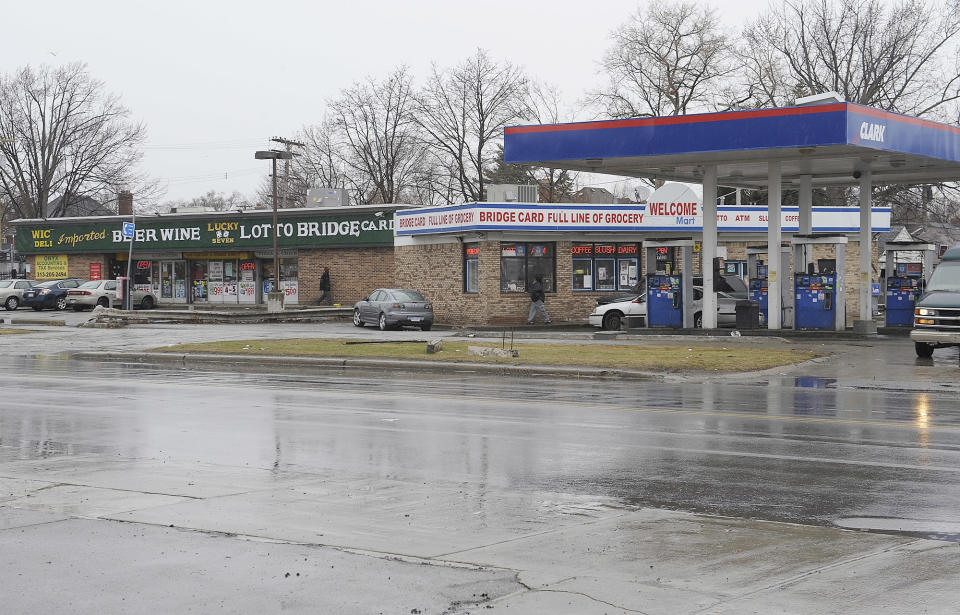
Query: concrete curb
point(34, 321)
point(343, 363)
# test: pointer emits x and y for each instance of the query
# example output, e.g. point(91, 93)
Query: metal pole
point(276, 232)
point(128, 287)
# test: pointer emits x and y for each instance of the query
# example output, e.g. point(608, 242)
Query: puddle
point(925, 528)
point(813, 382)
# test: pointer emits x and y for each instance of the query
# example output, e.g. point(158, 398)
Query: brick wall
point(354, 272)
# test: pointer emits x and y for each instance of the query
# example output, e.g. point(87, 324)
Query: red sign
point(605, 249)
point(586, 250)
point(248, 266)
point(473, 251)
point(143, 264)
point(627, 249)
point(95, 271)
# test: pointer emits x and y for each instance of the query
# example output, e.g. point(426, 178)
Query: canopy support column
point(709, 245)
point(806, 205)
point(774, 281)
point(866, 245)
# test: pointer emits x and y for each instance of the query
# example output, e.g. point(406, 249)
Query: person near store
point(325, 287)
point(536, 302)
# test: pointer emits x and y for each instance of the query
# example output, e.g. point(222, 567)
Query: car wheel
point(383, 321)
point(924, 350)
point(61, 303)
point(426, 326)
point(146, 303)
point(698, 320)
point(612, 321)
point(103, 301)
point(11, 303)
point(357, 322)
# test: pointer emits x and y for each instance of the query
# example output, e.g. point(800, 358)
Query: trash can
point(748, 314)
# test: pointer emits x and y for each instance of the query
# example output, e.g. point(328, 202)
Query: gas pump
point(819, 289)
point(758, 284)
point(905, 281)
point(669, 294)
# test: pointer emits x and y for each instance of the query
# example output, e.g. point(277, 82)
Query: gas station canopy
point(832, 144)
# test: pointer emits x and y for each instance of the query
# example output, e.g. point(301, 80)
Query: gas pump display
point(902, 292)
point(758, 290)
point(664, 301)
point(815, 305)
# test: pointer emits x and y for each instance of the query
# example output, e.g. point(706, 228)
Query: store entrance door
point(173, 281)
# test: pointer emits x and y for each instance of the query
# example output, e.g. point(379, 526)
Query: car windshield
point(408, 295)
point(946, 277)
point(50, 284)
point(90, 284)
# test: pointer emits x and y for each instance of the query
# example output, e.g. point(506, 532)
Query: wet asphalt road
point(804, 449)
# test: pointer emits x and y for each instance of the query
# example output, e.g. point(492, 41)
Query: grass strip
point(614, 356)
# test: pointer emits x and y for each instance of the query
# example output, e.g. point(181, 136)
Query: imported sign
point(51, 266)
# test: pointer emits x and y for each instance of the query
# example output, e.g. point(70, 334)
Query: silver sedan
point(394, 307)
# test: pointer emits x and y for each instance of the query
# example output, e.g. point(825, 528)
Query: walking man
point(536, 301)
point(325, 287)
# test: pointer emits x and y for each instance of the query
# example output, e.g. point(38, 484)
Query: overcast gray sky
point(214, 80)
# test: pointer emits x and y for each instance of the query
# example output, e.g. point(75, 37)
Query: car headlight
point(926, 312)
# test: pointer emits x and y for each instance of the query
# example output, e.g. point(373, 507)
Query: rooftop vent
point(827, 98)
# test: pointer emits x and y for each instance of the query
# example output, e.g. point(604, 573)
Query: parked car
point(728, 283)
point(633, 311)
point(100, 292)
point(11, 292)
point(51, 294)
point(394, 307)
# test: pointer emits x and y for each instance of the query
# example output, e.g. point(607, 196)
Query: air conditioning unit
point(327, 197)
point(511, 193)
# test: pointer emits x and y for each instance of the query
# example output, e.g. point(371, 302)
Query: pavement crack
point(578, 593)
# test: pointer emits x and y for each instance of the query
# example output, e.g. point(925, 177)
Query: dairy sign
point(222, 232)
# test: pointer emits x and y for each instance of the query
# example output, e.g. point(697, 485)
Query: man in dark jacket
point(536, 301)
point(325, 287)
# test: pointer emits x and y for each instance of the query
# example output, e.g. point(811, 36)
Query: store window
point(520, 263)
point(605, 266)
point(471, 267)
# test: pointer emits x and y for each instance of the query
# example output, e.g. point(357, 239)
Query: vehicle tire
point(356, 318)
point(698, 320)
point(924, 350)
point(426, 326)
point(612, 321)
point(61, 303)
point(103, 301)
point(383, 321)
point(11, 303)
point(77, 307)
point(146, 303)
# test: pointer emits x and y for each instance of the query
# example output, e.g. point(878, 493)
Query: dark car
point(51, 294)
point(730, 284)
point(394, 307)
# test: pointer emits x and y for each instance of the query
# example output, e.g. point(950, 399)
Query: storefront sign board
point(220, 233)
point(683, 217)
point(52, 267)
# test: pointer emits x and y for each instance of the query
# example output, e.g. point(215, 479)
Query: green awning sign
point(222, 232)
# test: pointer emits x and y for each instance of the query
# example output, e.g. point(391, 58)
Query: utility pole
point(289, 143)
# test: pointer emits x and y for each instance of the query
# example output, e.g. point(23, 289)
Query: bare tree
point(671, 59)
point(543, 104)
point(378, 139)
point(213, 201)
point(898, 57)
point(62, 135)
point(463, 111)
